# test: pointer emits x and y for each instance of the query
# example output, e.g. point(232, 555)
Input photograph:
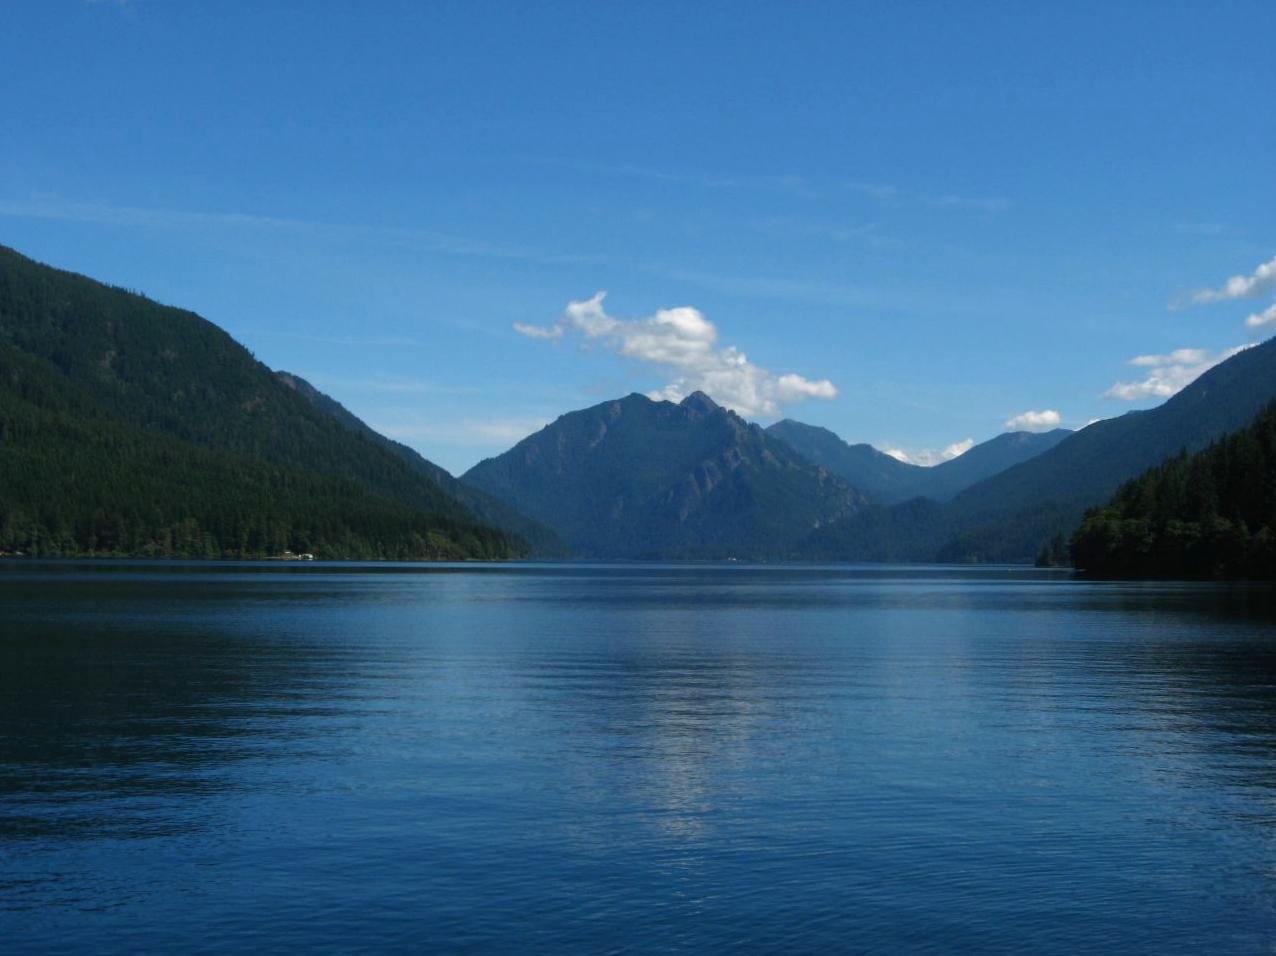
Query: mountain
point(637, 478)
point(129, 427)
point(948, 479)
point(544, 543)
point(886, 480)
point(1207, 515)
point(880, 477)
point(1013, 514)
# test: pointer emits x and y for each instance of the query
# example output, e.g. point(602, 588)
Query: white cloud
point(1031, 421)
point(1177, 357)
point(1260, 319)
point(957, 449)
point(539, 332)
point(927, 457)
point(1169, 374)
point(1241, 286)
point(681, 340)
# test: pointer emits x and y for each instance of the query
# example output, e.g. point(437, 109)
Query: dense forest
point(542, 540)
point(132, 428)
point(1207, 515)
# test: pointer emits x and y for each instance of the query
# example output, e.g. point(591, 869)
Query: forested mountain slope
point(486, 508)
point(1207, 515)
point(129, 427)
point(1013, 514)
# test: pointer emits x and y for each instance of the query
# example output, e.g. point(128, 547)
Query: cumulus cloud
point(926, 457)
point(1241, 286)
point(1031, 421)
point(1169, 374)
point(1260, 319)
point(683, 342)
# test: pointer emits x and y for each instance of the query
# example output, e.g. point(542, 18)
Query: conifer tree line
point(1207, 515)
point(132, 428)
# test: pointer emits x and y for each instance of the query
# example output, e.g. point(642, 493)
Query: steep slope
point(883, 479)
point(636, 478)
point(1012, 515)
point(129, 427)
point(888, 481)
point(986, 459)
point(1207, 515)
point(544, 543)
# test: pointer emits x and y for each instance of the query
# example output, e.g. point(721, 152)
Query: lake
point(632, 759)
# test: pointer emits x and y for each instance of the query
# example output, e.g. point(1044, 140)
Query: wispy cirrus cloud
point(980, 203)
point(55, 208)
point(888, 193)
point(426, 240)
point(682, 342)
point(785, 183)
point(787, 227)
point(797, 186)
point(1168, 374)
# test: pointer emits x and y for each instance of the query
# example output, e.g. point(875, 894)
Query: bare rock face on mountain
point(637, 478)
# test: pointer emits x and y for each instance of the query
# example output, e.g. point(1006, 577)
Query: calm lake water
point(632, 759)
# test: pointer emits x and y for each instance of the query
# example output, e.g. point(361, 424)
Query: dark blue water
point(632, 760)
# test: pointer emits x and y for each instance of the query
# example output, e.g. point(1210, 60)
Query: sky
point(917, 224)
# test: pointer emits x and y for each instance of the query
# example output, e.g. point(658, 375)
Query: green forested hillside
point(128, 427)
point(544, 543)
point(1207, 515)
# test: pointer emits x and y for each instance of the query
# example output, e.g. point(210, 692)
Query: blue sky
point(948, 214)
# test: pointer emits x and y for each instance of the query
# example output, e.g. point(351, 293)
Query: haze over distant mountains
point(127, 427)
point(1011, 515)
point(886, 480)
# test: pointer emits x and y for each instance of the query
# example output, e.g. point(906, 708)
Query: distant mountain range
point(128, 427)
point(637, 478)
point(886, 480)
point(1012, 515)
